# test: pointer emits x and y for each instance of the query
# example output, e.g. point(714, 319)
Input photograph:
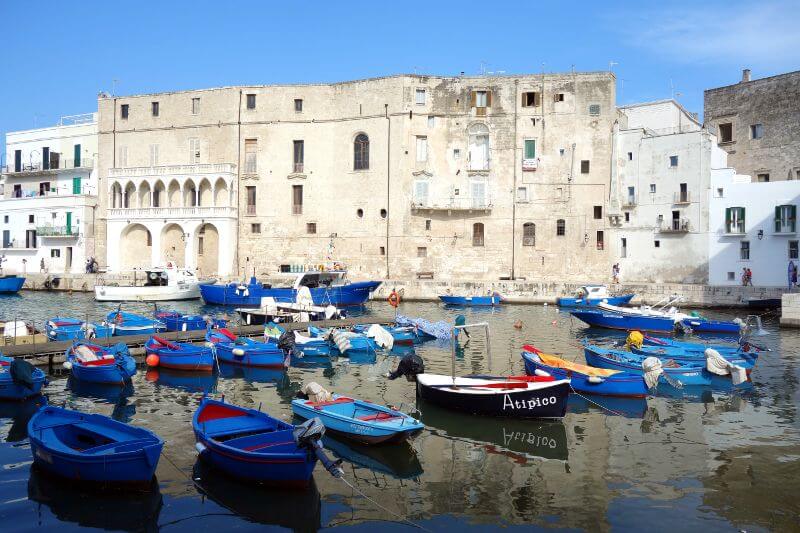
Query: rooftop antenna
point(611, 65)
point(571, 68)
point(114, 87)
point(483, 68)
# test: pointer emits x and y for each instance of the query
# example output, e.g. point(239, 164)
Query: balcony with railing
point(20, 246)
point(58, 231)
point(118, 213)
point(453, 203)
point(682, 197)
point(178, 170)
point(629, 202)
point(676, 225)
point(32, 168)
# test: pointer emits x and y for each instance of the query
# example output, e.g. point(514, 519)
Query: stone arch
point(221, 195)
point(361, 152)
point(173, 245)
point(135, 245)
point(129, 195)
point(206, 245)
point(174, 194)
point(115, 199)
point(189, 193)
point(159, 194)
point(143, 194)
point(205, 194)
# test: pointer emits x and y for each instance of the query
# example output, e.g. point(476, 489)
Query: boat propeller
point(309, 434)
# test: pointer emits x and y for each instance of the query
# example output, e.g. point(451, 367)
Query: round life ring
point(394, 299)
point(153, 276)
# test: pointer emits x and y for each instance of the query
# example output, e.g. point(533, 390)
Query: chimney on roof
point(745, 75)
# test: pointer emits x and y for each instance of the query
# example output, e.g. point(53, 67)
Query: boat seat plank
point(320, 405)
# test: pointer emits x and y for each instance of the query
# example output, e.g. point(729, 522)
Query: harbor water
point(719, 461)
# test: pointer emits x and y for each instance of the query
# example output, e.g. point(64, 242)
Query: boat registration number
point(532, 403)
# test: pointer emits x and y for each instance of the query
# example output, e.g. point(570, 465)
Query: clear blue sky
point(58, 55)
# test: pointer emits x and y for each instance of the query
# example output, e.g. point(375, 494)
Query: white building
point(49, 198)
point(665, 160)
point(752, 225)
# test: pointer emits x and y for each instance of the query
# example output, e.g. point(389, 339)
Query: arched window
point(478, 147)
point(477, 234)
point(361, 152)
point(529, 234)
point(561, 227)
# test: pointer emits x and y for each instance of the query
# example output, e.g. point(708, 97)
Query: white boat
point(663, 309)
point(160, 284)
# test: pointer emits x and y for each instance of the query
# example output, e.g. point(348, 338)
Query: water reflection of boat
point(255, 374)
point(399, 461)
point(177, 379)
point(20, 413)
point(111, 394)
point(515, 438)
point(109, 510)
point(299, 510)
point(627, 407)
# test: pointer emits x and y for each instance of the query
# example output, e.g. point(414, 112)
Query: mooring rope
point(396, 515)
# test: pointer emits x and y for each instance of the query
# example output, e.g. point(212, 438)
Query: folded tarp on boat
point(441, 330)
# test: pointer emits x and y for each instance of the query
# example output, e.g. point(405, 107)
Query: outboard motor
point(309, 435)
point(409, 366)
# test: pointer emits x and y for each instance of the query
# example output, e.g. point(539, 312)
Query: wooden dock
point(50, 353)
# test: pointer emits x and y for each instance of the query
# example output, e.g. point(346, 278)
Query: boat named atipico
point(328, 287)
point(10, 284)
point(302, 310)
point(160, 284)
point(590, 295)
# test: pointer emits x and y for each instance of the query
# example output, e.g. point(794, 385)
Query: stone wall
point(790, 310)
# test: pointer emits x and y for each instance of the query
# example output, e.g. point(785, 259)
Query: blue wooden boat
point(359, 420)
point(16, 386)
point(180, 355)
point(243, 351)
point(345, 342)
point(584, 379)
point(744, 346)
point(133, 324)
point(92, 448)
point(10, 284)
point(704, 325)
point(177, 321)
point(686, 372)
point(67, 329)
point(252, 445)
point(591, 295)
point(326, 288)
point(606, 319)
point(494, 299)
point(100, 364)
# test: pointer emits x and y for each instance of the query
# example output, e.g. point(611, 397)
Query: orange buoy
point(152, 360)
point(394, 299)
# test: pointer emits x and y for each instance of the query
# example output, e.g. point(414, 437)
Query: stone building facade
point(403, 176)
point(758, 123)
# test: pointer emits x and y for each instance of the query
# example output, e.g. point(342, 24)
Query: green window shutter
point(777, 218)
point(792, 217)
point(728, 211)
point(530, 149)
point(77, 156)
point(742, 219)
point(76, 185)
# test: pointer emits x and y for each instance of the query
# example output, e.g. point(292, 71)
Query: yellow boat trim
point(557, 362)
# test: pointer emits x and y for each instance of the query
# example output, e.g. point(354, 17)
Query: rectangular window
point(630, 156)
point(584, 167)
point(298, 105)
point(477, 234)
point(200, 244)
point(744, 251)
point(785, 218)
point(756, 131)
point(298, 155)
point(255, 228)
point(422, 149)
point(735, 220)
point(77, 187)
point(561, 227)
point(194, 151)
point(251, 156)
point(311, 228)
point(154, 108)
point(428, 224)
point(673, 161)
point(420, 96)
point(431, 122)
point(627, 216)
point(731, 276)
point(793, 250)
point(530, 149)
point(522, 194)
point(480, 99)
point(623, 247)
point(382, 250)
point(683, 195)
point(657, 244)
point(631, 196)
point(17, 160)
point(594, 110)
point(558, 97)
point(55, 252)
point(30, 219)
point(297, 199)
point(421, 192)
point(251, 200)
point(720, 192)
point(652, 188)
point(726, 132)
point(251, 101)
point(153, 155)
point(195, 106)
point(530, 99)
point(123, 111)
point(762, 177)
point(76, 156)
point(456, 153)
point(600, 240)
point(598, 212)
point(422, 251)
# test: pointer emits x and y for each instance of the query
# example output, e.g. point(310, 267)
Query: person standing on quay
point(615, 273)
